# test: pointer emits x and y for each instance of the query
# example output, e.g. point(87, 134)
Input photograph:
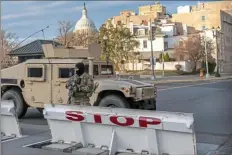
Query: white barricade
point(9, 122)
point(123, 130)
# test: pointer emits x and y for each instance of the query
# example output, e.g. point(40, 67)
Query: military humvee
point(39, 81)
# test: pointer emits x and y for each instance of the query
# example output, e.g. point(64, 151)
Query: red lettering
point(144, 121)
point(74, 115)
point(129, 121)
point(97, 118)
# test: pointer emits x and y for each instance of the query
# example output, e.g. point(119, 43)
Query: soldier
point(71, 85)
point(81, 86)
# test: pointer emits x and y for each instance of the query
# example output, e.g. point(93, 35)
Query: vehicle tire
point(114, 101)
point(40, 110)
point(16, 96)
point(149, 105)
point(154, 106)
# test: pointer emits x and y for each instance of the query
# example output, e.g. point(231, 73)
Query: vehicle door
point(36, 90)
point(96, 76)
point(61, 74)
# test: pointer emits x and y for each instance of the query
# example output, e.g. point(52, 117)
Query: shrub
point(211, 66)
point(166, 57)
point(178, 67)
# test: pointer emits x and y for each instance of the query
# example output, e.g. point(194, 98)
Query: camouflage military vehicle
point(38, 81)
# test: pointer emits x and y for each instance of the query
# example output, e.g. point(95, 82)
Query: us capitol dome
point(85, 24)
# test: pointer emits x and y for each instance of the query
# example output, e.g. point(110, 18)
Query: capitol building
point(85, 24)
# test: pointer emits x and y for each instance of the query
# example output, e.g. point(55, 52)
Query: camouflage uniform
point(80, 88)
point(71, 85)
point(85, 90)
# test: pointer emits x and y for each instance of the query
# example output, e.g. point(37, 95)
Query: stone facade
point(211, 15)
point(145, 14)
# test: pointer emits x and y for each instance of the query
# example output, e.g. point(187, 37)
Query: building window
point(146, 32)
point(119, 22)
point(165, 46)
point(107, 70)
point(203, 18)
point(203, 27)
point(141, 32)
point(35, 72)
point(144, 44)
point(227, 39)
point(66, 72)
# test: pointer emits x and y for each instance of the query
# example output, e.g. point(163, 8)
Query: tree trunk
point(194, 66)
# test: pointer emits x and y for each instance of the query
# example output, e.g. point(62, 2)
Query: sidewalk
point(184, 78)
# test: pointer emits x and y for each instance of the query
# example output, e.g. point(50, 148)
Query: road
point(209, 101)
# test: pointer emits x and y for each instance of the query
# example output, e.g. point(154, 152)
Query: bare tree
point(8, 42)
point(83, 38)
point(65, 34)
point(78, 38)
point(194, 48)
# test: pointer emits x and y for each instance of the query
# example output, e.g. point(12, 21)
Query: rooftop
point(33, 48)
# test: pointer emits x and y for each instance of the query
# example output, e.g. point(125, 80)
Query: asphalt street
point(211, 103)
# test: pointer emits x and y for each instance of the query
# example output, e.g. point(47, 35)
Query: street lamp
point(106, 52)
point(152, 57)
point(215, 34)
point(206, 55)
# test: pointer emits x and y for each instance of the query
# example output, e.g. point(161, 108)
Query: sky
point(26, 17)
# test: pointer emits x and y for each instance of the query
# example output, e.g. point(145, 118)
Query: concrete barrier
point(116, 130)
point(9, 121)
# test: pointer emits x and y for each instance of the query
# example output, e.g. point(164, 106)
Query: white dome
point(85, 23)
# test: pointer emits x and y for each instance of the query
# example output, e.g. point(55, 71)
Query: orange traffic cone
point(201, 74)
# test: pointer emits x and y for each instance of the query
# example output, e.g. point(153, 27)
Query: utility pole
point(217, 72)
point(107, 54)
point(152, 57)
point(163, 61)
point(1, 50)
point(215, 34)
point(206, 56)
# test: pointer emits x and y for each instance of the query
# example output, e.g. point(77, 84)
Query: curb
point(189, 80)
point(224, 149)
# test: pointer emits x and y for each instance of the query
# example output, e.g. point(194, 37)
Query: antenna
point(51, 71)
point(25, 40)
point(30, 36)
point(43, 34)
